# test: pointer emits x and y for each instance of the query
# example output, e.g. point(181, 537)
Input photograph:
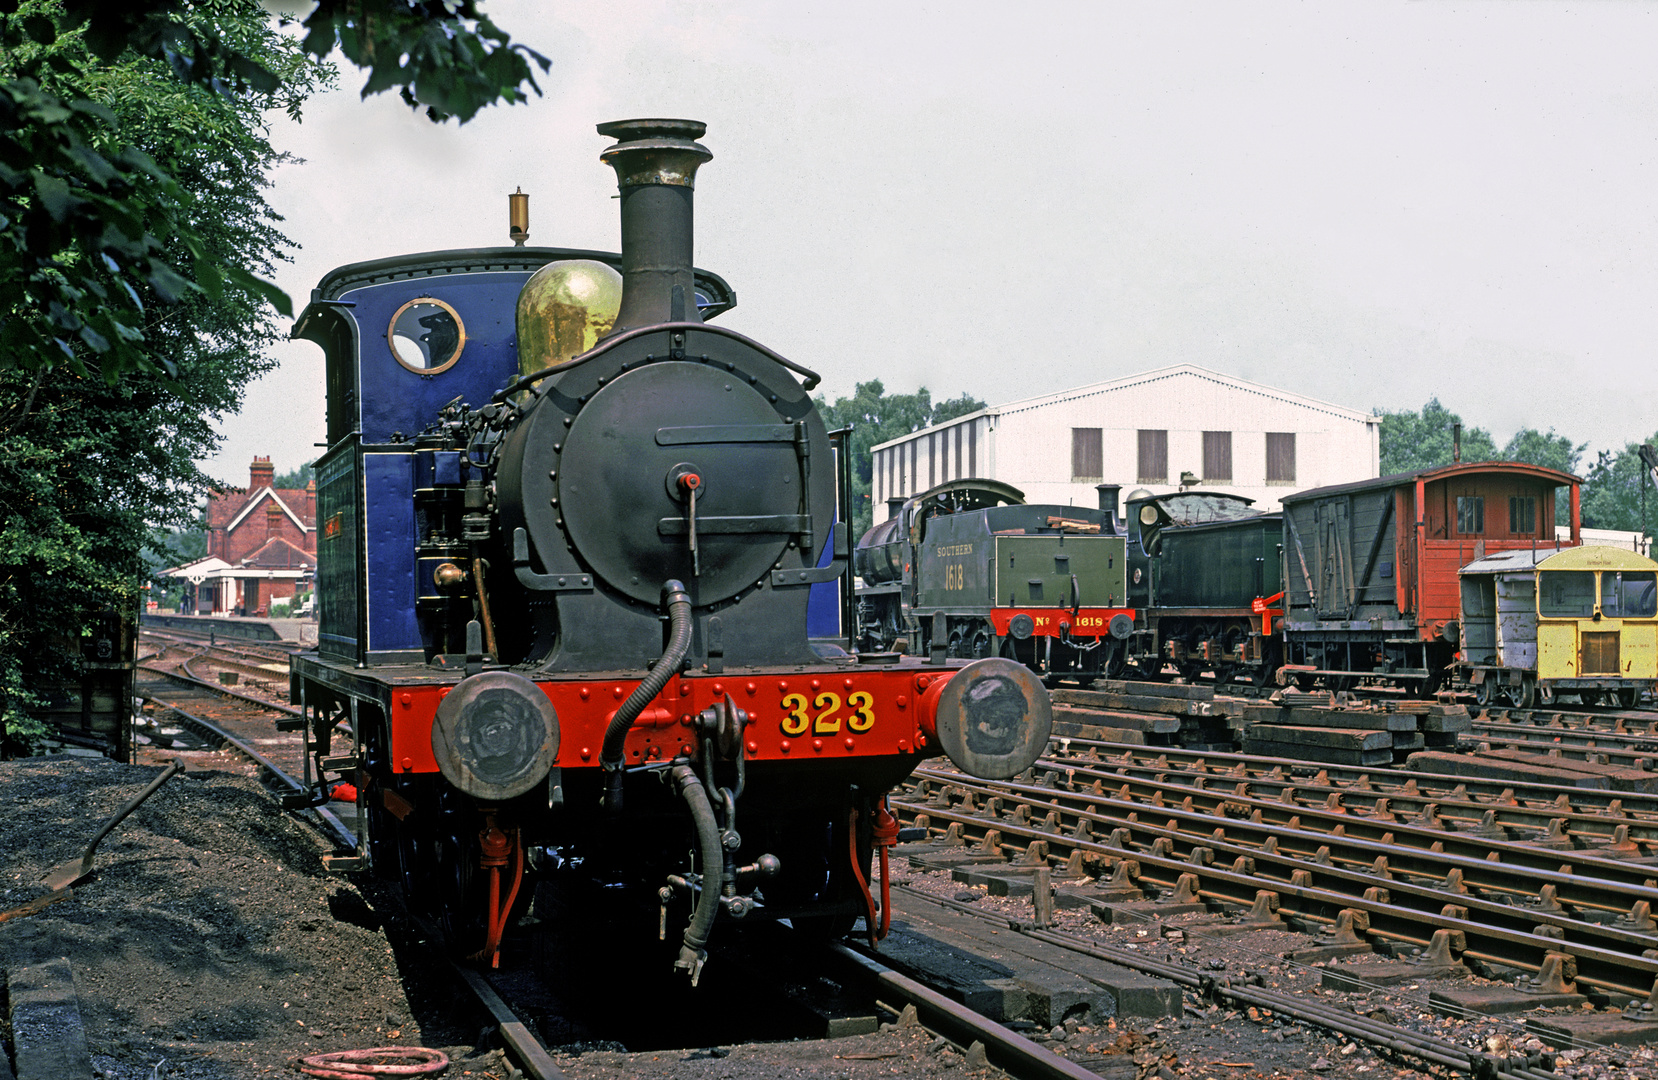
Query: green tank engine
point(969, 569)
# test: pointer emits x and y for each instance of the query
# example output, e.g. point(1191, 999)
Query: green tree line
point(876, 416)
point(1613, 483)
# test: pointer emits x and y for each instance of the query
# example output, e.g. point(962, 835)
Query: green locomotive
point(969, 569)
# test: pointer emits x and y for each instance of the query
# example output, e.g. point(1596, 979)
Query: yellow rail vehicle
point(1581, 621)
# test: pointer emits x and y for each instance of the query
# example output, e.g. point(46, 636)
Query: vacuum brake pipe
point(678, 603)
point(710, 853)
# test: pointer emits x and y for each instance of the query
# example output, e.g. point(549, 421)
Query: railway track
point(1587, 816)
point(1514, 876)
point(1366, 880)
point(1246, 993)
point(1624, 740)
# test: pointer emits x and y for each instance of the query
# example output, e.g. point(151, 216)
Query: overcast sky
point(1370, 203)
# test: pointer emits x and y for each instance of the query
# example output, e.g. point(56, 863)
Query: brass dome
point(563, 310)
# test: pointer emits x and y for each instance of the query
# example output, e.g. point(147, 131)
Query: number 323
point(828, 720)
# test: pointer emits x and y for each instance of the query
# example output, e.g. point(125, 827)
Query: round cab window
point(426, 335)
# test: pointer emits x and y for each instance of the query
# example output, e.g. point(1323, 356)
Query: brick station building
point(261, 543)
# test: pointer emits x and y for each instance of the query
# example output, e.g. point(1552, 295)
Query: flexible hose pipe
point(678, 603)
point(710, 853)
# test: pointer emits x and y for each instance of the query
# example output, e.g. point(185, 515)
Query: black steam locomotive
point(580, 567)
point(1205, 572)
point(969, 569)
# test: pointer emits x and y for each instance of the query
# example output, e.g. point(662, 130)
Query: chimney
point(260, 474)
point(1108, 496)
point(656, 166)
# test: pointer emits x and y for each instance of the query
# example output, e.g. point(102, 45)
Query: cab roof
point(1438, 472)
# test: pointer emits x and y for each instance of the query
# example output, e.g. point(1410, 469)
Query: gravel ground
point(209, 936)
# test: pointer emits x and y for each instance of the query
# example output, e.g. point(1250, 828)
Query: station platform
point(303, 631)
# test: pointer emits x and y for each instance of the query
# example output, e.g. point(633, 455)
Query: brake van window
point(1630, 594)
point(1470, 515)
point(1567, 594)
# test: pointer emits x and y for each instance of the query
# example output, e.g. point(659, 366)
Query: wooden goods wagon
point(1370, 568)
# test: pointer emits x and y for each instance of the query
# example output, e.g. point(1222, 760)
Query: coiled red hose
point(353, 1064)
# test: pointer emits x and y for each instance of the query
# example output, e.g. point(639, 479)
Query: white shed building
point(1144, 431)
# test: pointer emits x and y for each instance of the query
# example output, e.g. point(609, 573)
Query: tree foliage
point(1424, 440)
point(1612, 487)
point(1547, 449)
point(876, 416)
point(1617, 488)
point(135, 244)
point(90, 222)
point(295, 479)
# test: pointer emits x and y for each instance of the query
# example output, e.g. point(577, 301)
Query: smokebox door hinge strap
point(816, 575)
point(542, 582)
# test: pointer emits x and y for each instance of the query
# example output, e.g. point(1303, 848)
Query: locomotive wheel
point(822, 876)
point(461, 901)
point(1628, 698)
point(1425, 688)
point(1486, 692)
point(459, 887)
point(1153, 670)
point(416, 862)
point(1524, 696)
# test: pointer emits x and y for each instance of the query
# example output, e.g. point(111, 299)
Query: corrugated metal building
point(1144, 431)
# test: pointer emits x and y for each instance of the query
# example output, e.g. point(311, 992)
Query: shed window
point(1628, 594)
point(1522, 516)
point(1087, 456)
point(1471, 515)
point(1280, 457)
point(1217, 455)
point(1566, 594)
point(1154, 457)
